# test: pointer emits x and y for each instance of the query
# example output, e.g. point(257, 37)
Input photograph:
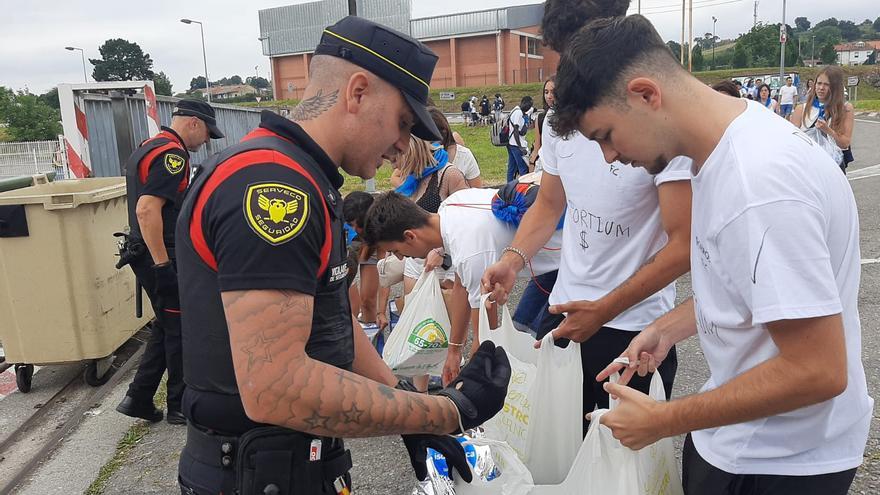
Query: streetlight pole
point(783, 34)
point(83, 55)
point(268, 41)
point(714, 21)
point(204, 56)
point(813, 51)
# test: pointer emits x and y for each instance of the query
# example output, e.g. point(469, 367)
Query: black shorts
point(701, 478)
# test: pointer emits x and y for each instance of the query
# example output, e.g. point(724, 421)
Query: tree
point(235, 80)
point(872, 58)
point(877, 25)
point(51, 98)
point(740, 56)
point(827, 54)
point(27, 117)
point(698, 58)
point(163, 84)
point(802, 23)
point(831, 21)
point(849, 31)
point(675, 48)
point(122, 60)
point(827, 34)
point(258, 82)
point(197, 83)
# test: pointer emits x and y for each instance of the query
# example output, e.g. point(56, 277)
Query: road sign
point(852, 81)
point(447, 96)
point(782, 34)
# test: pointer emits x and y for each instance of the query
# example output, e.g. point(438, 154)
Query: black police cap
point(201, 110)
point(397, 58)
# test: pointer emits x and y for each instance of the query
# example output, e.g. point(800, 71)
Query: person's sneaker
point(175, 418)
point(146, 411)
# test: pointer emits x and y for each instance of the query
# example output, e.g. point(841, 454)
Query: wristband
point(456, 345)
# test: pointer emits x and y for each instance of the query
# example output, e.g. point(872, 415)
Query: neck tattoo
point(314, 106)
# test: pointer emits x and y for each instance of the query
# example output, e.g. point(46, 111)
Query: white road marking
point(868, 121)
point(870, 261)
point(864, 172)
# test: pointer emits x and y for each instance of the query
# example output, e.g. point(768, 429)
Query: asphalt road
point(381, 465)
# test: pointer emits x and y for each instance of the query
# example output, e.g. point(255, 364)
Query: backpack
point(465, 106)
point(499, 132)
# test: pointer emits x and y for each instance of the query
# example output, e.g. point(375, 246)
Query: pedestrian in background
point(765, 99)
point(157, 175)
point(788, 97)
point(517, 146)
point(828, 111)
point(547, 104)
point(459, 155)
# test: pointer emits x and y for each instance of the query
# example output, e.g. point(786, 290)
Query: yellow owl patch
point(276, 212)
point(174, 164)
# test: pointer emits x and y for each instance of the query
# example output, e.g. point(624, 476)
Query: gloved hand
point(417, 446)
point(166, 285)
point(481, 386)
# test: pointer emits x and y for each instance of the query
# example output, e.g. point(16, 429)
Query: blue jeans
point(530, 310)
point(786, 110)
point(516, 163)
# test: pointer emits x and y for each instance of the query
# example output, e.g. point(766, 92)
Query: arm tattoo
point(258, 350)
point(312, 107)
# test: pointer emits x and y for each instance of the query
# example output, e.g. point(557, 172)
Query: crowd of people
point(282, 281)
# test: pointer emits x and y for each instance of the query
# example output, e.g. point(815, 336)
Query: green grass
point(512, 94)
point(868, 105)
point(132, 437)
point(492, 161)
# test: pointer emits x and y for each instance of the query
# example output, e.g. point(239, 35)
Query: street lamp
point(204, 56)
point(714, 21)
point(268, 41)
point(812, 51)
point(83, 54)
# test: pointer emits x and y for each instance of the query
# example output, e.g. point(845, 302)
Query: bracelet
point(457, 414)
point(516, 251)
point(456, 345)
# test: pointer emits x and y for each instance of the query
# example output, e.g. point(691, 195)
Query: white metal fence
point(33, 157)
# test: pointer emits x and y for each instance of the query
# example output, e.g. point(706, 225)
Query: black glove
point(166, 286)
point(418, 445)
point(481, 386)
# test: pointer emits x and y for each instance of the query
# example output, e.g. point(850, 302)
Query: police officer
point(157, 175)
point(277, 370)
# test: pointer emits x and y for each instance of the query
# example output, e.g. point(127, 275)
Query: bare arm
point(669, 263)
point(459, 315)
point(367, 362)
point(810, 368)
point(843, 136)
point(281, 385)
point(149, 217)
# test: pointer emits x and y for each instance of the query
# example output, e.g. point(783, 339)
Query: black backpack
point(465, 106)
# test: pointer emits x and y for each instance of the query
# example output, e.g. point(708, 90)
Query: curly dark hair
point(727, 87)
point(599, 59)
point(563, 18)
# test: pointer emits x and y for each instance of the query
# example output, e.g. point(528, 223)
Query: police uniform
point(267, 214)
point(159, 167)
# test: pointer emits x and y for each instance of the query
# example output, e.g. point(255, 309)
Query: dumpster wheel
point(97, 371)
point(24, 375)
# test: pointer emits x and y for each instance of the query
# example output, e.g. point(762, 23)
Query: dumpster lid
point(67, 193)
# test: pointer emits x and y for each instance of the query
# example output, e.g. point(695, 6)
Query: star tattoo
point(316, 421)
point(259, 350)
point(353, 415)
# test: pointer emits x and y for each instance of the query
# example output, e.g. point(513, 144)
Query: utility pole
point(783, 34)
point(681, 52)
point(691, 36)
point(813, 52)
point(714, 21)
point(352, 7)
point(755, 21)
point(640, 7)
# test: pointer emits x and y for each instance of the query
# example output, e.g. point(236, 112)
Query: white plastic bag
point(602, 467)
point(542, 413)
point(419, 341)
point(826, 143)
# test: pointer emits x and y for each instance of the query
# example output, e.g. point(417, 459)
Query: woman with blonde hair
point(827, 111)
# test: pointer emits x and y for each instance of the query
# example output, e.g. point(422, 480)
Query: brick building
point(488, 47)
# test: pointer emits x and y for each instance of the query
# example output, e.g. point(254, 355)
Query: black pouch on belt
point(278, 461)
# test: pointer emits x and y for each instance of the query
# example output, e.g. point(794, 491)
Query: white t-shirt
point(787, 95)
point(517, 119)
point(465, 161)
point(474, 238)
point(776, 237)
point(612, 224)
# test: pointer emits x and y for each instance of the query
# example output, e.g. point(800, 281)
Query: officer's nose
point(611, 155)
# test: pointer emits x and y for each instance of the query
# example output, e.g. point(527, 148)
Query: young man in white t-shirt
point(775, 266)
point(788, 95)
point(465, 229)
point(625, 239)
point(517, 146)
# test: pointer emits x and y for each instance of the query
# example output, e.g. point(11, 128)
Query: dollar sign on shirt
point(584, 245)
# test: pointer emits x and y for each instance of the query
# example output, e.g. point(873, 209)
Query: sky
point(33, 34)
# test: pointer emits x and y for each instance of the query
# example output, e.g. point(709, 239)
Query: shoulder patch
point(174, 163)
point(275, 211)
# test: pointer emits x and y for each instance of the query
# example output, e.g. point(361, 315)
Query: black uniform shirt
point(168, 174)
point(266, 223)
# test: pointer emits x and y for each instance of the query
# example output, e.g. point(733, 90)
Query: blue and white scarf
point(411, 183)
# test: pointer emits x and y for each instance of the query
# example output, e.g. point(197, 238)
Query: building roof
point(297, 28)
point(858, 46)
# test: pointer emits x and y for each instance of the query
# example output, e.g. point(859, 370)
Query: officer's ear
point(355, 91)
point(409, 236)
